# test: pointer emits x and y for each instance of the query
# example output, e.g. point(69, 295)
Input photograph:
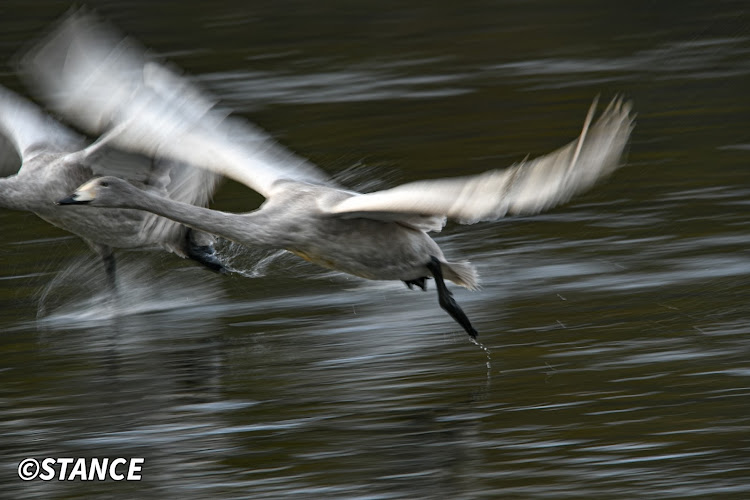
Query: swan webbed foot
point(203, 254)
point(206, 256)
point(446, 300)
point(420, 282)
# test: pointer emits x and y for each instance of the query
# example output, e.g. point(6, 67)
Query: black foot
point(446, 300)
point(110, 268)
point(204, 254)
point(420, 282)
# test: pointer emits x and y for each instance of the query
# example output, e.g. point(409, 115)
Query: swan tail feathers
point(462, 273)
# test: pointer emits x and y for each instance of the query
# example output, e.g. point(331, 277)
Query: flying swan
point(107, 85)
point(43, 160)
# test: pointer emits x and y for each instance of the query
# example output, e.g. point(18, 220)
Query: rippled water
point(617, 325)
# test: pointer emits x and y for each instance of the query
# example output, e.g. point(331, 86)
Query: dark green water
point(617, 323)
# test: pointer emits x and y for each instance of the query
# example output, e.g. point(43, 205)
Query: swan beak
point(83, 195)
point(77, 198)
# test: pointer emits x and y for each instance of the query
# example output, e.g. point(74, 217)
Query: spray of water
point(245, 261)
point(79, 296)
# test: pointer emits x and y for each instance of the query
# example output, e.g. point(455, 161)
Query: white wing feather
point(104, 82)
point(28, 130)
point(525, 188)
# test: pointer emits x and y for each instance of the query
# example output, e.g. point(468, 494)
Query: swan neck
point(235, 227)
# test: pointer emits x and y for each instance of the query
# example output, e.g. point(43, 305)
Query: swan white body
point(106, 84)
point(296, 220)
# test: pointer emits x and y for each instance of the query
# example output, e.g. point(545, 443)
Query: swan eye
point(104, 184)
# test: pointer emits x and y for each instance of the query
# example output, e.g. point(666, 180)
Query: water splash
point(78, 295)
point(245, 261)
point(484, 392)
point(486, 351)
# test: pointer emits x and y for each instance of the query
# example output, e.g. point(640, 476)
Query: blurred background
point(617, 324)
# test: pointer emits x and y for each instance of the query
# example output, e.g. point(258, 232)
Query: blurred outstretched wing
point(105, 83)
point(27, 130)
point(528, 187)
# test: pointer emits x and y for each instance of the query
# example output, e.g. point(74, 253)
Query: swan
point(105, 84)
point(55, 160)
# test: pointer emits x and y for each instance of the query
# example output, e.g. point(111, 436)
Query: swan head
point(101, 191)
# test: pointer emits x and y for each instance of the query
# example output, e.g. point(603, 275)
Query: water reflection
point(691, 59)
point(343, 86)
point(111, 377)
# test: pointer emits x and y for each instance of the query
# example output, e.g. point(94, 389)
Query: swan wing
point(106, 83)
point(426, 223)
point(528, 187)
point(27, 130)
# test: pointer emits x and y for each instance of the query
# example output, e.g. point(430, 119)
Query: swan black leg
point(203, 254)
point(110, 268)
point(446, 300)
point(108, 261)
point(420, 282)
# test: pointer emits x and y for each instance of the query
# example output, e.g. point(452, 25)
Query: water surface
point(617, 324)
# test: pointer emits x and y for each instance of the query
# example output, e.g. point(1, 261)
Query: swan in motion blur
point(54, 160)
point(106, 84)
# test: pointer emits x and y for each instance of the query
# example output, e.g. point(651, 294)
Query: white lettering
point(79, 470)
point(64, 462)
point(82, 469)
point(135, 466)
point(48, 466)
point(113, 469)
point(100, 468)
